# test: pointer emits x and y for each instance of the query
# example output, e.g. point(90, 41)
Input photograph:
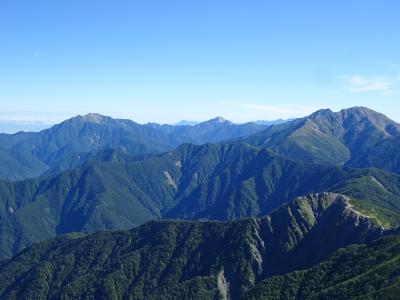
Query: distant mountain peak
point(186, 123)
point(354, 115)
point(355, 111)
point(94, 118)
point(359, 109)
point(322, 112)
point(218, 119)
point(273, 122)
point(376, 119)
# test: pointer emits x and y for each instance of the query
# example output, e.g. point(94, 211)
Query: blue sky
point(169, 60)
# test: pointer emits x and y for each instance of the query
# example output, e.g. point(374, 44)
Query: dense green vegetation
point(384, 155)
point(220, 182)
point(183, 259)
point(357, 272)
point(66, 145)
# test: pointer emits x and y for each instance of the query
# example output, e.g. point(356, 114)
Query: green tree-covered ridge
point(369, 271)
point(220, 182)
point(191, 259)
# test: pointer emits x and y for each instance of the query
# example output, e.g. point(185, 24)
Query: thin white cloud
point(25, 122)
point(385, 85)
point(21, 117)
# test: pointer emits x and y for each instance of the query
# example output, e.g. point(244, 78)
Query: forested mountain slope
point(219, 182)
point(369, 271)
point(187, 259)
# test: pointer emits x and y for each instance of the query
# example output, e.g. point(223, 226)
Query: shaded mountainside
point(357, 137)
point(369, 271)
point(66, 145)
point(187, 259)
point(220, 182)
point(384, 155)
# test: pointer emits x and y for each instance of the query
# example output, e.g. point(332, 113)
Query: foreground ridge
point(188, 258)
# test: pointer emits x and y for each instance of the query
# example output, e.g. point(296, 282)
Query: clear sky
point(167, 60)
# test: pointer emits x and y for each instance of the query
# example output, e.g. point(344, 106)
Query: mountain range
point(356, 137)
point(63, 146)
point(304, 209)
point(258, 122)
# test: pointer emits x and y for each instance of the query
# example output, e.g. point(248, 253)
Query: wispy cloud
point(282, 109)
point(26, 117)
point(385, 85)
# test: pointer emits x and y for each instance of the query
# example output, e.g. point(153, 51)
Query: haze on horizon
point(165, 61)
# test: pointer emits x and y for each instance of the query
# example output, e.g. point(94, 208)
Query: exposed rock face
point(170, 180)
point(223, 285)
point(94, 118)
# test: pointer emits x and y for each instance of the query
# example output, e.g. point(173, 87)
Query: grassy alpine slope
point(356, 137)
